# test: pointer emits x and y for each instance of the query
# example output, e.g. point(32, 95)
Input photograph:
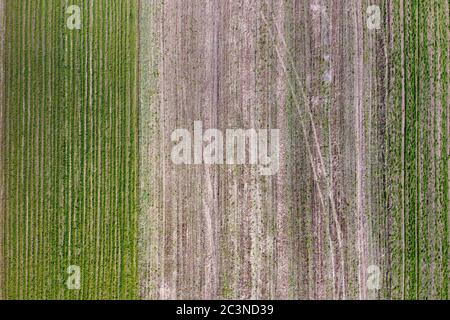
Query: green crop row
point(417, 165)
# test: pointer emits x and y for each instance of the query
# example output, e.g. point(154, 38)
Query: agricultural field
point(358, 207)
point(70, 146)
point(362, 188)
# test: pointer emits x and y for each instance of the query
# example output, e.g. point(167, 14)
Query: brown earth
point(225, 231)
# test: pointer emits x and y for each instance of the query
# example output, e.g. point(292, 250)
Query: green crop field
point(364, 123)
point(71, 149)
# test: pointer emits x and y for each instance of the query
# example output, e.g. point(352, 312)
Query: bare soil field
point(358, 207)
point(2, 149)
point(363, 179)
